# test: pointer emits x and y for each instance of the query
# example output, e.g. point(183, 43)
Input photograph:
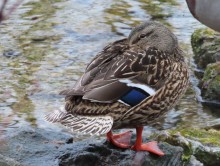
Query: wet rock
point(105, 154)
point(201, 147)
point(36, 147)
point(210, 83)
point(206, 47)
point(215, 125)
point(209, 156)
point(5, 161)
point(33, 147)
point(194, 162)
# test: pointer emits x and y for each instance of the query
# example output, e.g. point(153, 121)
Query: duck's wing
point(95, 76)
point(118, 69)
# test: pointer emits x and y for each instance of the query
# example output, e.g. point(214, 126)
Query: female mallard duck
point(131, 83)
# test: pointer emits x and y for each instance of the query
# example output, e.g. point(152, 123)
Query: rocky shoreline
point(34, 147)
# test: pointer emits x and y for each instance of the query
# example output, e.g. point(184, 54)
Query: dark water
point(46, 44)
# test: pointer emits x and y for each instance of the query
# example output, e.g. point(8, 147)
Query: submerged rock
point(34, 147)
point(11, 53)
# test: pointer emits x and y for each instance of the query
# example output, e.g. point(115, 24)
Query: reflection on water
point(53, 40)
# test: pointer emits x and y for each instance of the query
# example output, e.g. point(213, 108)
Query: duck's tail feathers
point(56, 116)
point(94, 125)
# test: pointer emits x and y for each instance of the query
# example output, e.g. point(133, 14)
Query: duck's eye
point(142, 35)
point(146, 34)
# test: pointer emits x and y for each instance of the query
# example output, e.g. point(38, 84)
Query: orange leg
point(120, 140)
point(150, 146)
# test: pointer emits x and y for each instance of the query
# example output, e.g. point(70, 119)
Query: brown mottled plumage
point(150, 60)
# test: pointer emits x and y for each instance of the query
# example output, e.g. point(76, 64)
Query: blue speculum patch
point(134, 96)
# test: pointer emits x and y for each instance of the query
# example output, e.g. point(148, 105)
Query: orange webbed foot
point(121, 140)
point(150, 147)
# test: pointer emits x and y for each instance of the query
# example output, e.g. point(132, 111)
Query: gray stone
point(5, 161)
point(34, 147)
point(194, 162)
point(11, 53)
point(195, 152)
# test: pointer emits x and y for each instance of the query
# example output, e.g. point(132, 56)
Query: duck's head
point(153, 34)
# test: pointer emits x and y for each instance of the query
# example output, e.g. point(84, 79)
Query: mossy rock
point(202, 144)
point(209, 137)
point(210, 84)
point(206, 47)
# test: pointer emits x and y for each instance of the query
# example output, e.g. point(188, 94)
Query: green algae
point(174, 138)
point(205, 43)
point(25, 106)
point(204, 144)
point(209, 137)
point(208, 158)
point(211, 71)
point(206, 47)
point(211, 82)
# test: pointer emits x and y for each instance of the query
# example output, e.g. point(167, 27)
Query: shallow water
point(46, 44)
